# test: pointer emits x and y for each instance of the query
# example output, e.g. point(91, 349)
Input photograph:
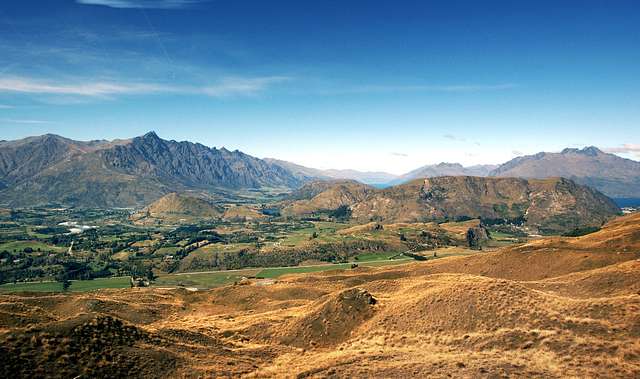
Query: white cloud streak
point(242, 86)
point(142, 4)
point(26, 85)
point(4, 106)
point(226, 87)
point(454, 138)
point(373, 89)
point(433, 88)
point(627, 148)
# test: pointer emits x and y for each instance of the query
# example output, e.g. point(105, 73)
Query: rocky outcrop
point(477, 237)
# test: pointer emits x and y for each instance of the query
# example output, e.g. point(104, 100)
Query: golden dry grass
point(559, 307)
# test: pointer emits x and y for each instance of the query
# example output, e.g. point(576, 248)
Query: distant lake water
point(380, 185)
point(627, 202)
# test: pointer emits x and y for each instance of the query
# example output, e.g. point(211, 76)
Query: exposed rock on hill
point(477, 236)
point(612, 175)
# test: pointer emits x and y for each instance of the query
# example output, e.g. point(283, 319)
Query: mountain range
point(50, 169)
point(614, 176)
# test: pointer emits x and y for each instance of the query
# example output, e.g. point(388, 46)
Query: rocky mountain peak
point(150, 135)
point(449, 165)
point(589, 151)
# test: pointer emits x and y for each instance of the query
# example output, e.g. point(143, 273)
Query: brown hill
point(242, 212)
point(177, 205)
point(327, 196)
point(547, 206)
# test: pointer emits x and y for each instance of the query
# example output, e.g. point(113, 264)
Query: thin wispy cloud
point(627, 148)
point(142, 4)
point(242, 86)
point(25, 122)
point(4, 106)
point(226, 87)
point(399, 154)
point(454, 137)
point(27, 85)
point(436, 88)
point(373, 89)
point(517, 152)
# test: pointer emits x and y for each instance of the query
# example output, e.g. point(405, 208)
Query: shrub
point(577, 232)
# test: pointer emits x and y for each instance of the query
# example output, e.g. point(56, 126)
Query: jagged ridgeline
point(542, 205)
point(53, 170)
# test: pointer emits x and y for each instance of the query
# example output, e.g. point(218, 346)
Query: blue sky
point(369, 85)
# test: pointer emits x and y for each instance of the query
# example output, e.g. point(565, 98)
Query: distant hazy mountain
point(53, 169)
point(544, 205)
point(305, 173)
point(612, 175)
point(299, 171)
point(445, 169)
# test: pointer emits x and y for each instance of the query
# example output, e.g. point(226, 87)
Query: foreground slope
point(451, 317)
